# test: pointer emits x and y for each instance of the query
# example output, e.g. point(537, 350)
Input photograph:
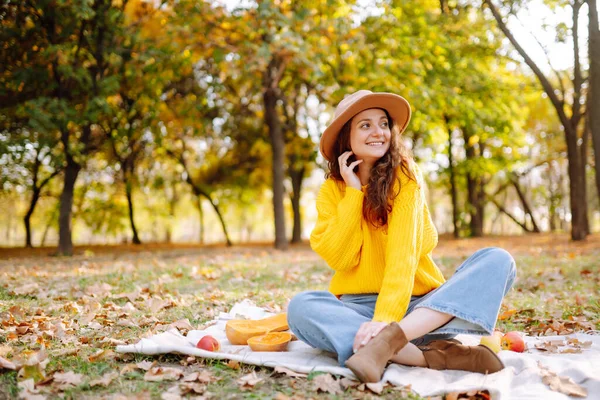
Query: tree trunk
point(201, 218)
point(172, 203)
point(475, 191)
point(556, 196)
point(576, 190)
point(129, 192)
point(270, 86)
point(593, 103)
point(453, 193)
point(297, 176)
point(27, 219)
point(65, 243)
point(584, 161)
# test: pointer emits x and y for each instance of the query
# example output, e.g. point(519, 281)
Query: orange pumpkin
point(238, 331)
point(274, 341)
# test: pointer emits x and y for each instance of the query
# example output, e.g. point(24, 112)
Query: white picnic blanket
point(521, 380)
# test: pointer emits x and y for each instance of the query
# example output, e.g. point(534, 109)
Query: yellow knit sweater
point(396, 264)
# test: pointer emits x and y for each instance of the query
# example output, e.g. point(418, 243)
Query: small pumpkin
point(238, 331)
point(274, 341)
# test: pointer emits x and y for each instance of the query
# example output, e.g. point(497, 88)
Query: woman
point(387, 300)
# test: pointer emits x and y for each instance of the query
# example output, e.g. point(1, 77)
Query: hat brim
point(396, 106)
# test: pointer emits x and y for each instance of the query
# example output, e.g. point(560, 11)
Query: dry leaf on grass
point(145, 365)
point(27, 391)
point(66, 380)
point(326, 383)
point(507, 314)
point(105, 380)
point(103, 354)
point(64, 352)
point(128, 368)
point(28, 289)
point(376, 388)
point(174, 393)
point(249, 381)
point(233, 364)
point(156, 304)
point(127, 323)
point(183, 325)
point(561, 384)
point(289, 372)
point(348, 383)
point(6, 364)
point(470, 395)
point(31, 364)
point(159, 374)
point(190, 387)
point(4, 350)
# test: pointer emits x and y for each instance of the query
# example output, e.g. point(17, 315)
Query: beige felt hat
point(396, 106)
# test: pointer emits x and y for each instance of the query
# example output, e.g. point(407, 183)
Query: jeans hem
point(447, 310)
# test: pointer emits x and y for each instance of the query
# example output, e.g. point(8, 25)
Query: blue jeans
point(473, 295)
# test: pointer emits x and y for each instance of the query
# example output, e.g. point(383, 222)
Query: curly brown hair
point(380, 194)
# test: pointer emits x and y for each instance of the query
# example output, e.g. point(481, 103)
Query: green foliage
point(134, 90)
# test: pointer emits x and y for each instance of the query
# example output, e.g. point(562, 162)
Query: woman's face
point(370, 135)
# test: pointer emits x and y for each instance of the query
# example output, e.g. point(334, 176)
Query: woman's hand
point(367, 331)
point(347, 171)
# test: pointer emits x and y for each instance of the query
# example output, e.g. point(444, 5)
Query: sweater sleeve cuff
point(353, 195)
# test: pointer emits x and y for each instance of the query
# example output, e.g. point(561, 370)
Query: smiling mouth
point(375, 144)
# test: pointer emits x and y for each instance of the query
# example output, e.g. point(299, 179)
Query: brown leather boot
point(369, 362)
point(451, 354)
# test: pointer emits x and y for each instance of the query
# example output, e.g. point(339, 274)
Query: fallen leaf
point(128, 368)
point(105, 380)
point(206, 377)
point(190, 387)
point(4, 350)
point(127, 322)
point(101, 355)
point(99, 290)
point(66, 380)
point(348, 383)
point(159, 374)
point(173, 393)
point(283, 370)
point(145, 365)
point(249, 381)
point(28, 391)
point(236, 364)
point(28, 289)
point(376, 388)
point(561, 384)
point(156, 304)
point(507, 314)
point(326, 383)
point(183, 325)
point(31, 364)
point(6, 364)
point(64, 352)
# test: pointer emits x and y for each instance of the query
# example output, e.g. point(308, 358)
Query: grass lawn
point(79, 308)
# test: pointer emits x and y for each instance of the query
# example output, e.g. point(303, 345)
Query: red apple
point(208, 343)
point(513, 341)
